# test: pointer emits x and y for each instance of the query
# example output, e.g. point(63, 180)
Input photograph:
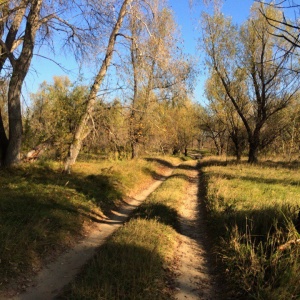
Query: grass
point(137, 260)
point(43, 211)
point(252, 210)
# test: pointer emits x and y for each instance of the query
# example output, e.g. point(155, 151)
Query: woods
point(141, 95)
point(210, 134)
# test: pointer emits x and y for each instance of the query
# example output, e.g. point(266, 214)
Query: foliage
point(55, 111)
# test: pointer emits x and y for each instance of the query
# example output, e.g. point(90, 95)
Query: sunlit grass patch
point(253, 209)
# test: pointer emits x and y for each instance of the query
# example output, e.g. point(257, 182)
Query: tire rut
point(196, 279)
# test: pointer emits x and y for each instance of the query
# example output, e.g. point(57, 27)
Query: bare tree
point(84, 128)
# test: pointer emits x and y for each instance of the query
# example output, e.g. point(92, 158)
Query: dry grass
point(254, 209)
point(43, 211)
point(136, 261)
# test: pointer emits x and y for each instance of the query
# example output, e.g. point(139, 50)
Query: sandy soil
point(196, 278)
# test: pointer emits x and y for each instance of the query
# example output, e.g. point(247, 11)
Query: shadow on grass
point(121, 271)
point(159, 212)
point(153, 174)
point(102, 190)
point(270, 181)
point(259, 221)
point(43, 212)
point(157, 176)
point(262, 231)
point(281, 164)
point(162, 162)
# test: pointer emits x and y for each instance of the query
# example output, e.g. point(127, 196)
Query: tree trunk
point(3, 141)
point(253, 152)
point(134, 150)
point(236, 142)
point(12, 154)
point(20, 68)
point(81, 130)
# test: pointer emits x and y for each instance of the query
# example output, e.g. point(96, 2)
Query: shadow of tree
point(262, 230)
point(162, 162)
point(46, 212)
point(103, 190)
point(121, 271)
point(160, 212)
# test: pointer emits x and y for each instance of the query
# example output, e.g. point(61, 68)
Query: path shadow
point(159, 212)
point(120, 270)
point(162, 162)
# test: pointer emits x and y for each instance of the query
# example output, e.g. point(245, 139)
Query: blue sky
point(188, 21)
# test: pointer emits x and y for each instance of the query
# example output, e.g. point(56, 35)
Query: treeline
point(254, 81)
point(138, 99)
point(165, 127)
point(119, 130)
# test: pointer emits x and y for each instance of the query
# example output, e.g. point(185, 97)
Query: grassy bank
point(136, 262)
point(43, 211)
point(253, 211)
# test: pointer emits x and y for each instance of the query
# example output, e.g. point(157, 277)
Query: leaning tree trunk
point(83, 126)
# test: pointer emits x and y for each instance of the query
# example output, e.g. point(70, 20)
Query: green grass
point(129, 265)
point(137, 260)
point(43, 211)
point(252, 211)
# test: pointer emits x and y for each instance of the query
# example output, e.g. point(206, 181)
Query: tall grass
point(136, 262)
point(43, 211)
point(253, 210)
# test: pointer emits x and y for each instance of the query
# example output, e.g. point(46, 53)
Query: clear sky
point(186, 17)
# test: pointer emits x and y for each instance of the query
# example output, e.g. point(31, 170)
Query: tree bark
point(3, 141)
point(12, 154)
point(254, 144)
point(82, 128)
point(20, 69)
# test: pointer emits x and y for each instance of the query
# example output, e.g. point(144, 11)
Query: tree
point(221, 109)
point(83, 127)
point(251, 56)
point(155, 65)
point(55, 111)
point(286, 28)
point(24, 24)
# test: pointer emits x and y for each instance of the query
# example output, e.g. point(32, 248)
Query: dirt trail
point(50, 281)
point(196, 279)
